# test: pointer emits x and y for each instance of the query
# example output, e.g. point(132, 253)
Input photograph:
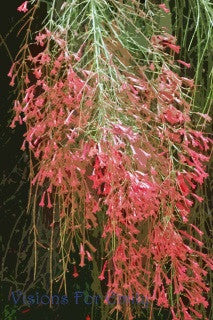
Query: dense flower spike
point(128, 154)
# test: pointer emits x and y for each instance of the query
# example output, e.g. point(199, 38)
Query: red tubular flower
point(82, 254)
point(10, 73)
point(101, 277)
point(187, 65)
point(23, 7)
point(75, 272)
point(42, 204)
point(49, 205)
point(89, 256)
point(173, 47)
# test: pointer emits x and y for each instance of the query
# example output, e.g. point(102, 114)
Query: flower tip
point(23, 7)
point(75, 275)
point(41, 204)
point(12, 125)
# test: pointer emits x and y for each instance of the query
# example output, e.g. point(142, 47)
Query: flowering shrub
point(128, 154)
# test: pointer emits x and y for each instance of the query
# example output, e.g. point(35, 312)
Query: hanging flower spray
point(113, 148)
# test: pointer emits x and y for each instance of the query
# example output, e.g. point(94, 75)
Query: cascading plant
point(114, 154)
